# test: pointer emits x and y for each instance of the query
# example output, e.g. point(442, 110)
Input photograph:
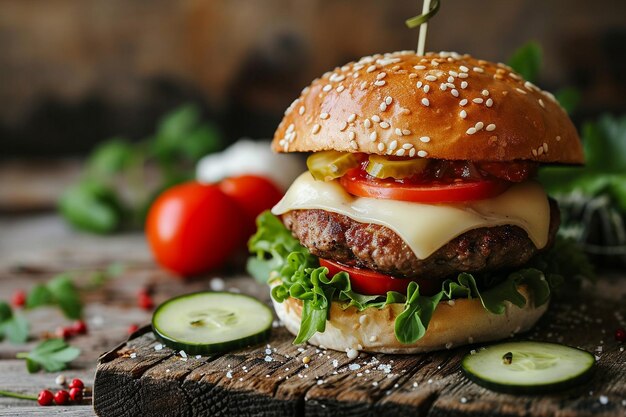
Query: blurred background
point(76, 72)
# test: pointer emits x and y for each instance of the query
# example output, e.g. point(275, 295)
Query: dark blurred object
point(77, 71)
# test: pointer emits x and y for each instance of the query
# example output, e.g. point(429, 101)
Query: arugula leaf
point(295, 273)
point(12, 326)
point(59, 291)
point(52, 355)
point(526, 60)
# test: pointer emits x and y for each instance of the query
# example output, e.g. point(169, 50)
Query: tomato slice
point(368, 282)
point(422, 192)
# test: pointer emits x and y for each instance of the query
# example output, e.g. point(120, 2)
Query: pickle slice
point(328, 165)
point(383, 167)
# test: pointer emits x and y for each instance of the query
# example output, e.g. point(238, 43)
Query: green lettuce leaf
point(294, 272)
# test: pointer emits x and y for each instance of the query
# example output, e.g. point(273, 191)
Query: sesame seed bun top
point(443, 106)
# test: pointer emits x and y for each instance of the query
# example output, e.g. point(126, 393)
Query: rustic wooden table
point(36, 247)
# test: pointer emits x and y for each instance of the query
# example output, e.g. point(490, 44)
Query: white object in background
point(250, 157)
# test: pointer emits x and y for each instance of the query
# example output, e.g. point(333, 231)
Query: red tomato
point(193, 228)
point(254, 194)
point(431, 192)
point(368, 282)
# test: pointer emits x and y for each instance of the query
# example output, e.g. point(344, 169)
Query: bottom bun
point(454, 323)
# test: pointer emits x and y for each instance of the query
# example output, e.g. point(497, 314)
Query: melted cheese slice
point(426, 227)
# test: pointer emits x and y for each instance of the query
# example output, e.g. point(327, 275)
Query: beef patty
point(337, 237)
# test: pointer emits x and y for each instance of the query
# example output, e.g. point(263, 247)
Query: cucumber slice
point(528, 367)
point(209, 322)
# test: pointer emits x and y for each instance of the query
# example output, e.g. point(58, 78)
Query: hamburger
point(419, 225)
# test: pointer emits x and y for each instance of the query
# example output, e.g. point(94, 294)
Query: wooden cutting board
point(138, 378)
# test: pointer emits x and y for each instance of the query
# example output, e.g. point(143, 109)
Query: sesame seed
point(519, 90)
point(373, 136)
point(388, 100)
point(463, 114)
point(558, 138)
point(343, 126)
point(425, 102)
point(534, 151)
point(340, 88)
point(419, 67)
point(384, 125)
point(479, 126)
point(422, 154)
point(380, 83)
point(324, 116)
point(352, 118)
point(489, 102)
point(545, 147)
point(485, 93)
point(464, 68)
point(455, 92)
point(412, 75)
point(327, 87)
point(407, 146)
point(478, 69)
point(355, 75)
point(463, 75)
point(471, 131)
point(463, 102)
point(367, 123)
point(382, 106)
point(514, 76)
point(463, 85)
point(541, 103)
point(453, 74)
point(371, 68)
point(398, 131)
point(490, 127)
point(353, 144)
point(404, 110)
point(450, 79)
point(478, 100)
point(430, 78)
point(412, 152)
point(443, 87)
point(376, 118)
point(393, 145)
point(351, 135)
point(316, 129)
point(301, 110)
point(400, 152)
point(290, 128)
point(406, 132)
point(540, 150)
point(381, 147)
point(419, 84)
point(425, 139)
point(426, 88)
point(450, 85)
point(381, 75)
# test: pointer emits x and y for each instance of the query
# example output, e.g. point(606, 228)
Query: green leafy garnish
point(98, 204)
point(52, 355)
point(526, 60)
point(294, 272)
point(59, 291)
point(13, 326)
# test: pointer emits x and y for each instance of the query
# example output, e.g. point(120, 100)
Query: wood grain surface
point(162, 384)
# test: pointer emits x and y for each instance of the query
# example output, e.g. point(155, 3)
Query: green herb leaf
point(411, 324)
point(110, 157)
point(52, 355)
point(60, 291)
point(526, 60)
point(569, 98)
point(92, 206)
point(12, 326)
point(416, 21)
